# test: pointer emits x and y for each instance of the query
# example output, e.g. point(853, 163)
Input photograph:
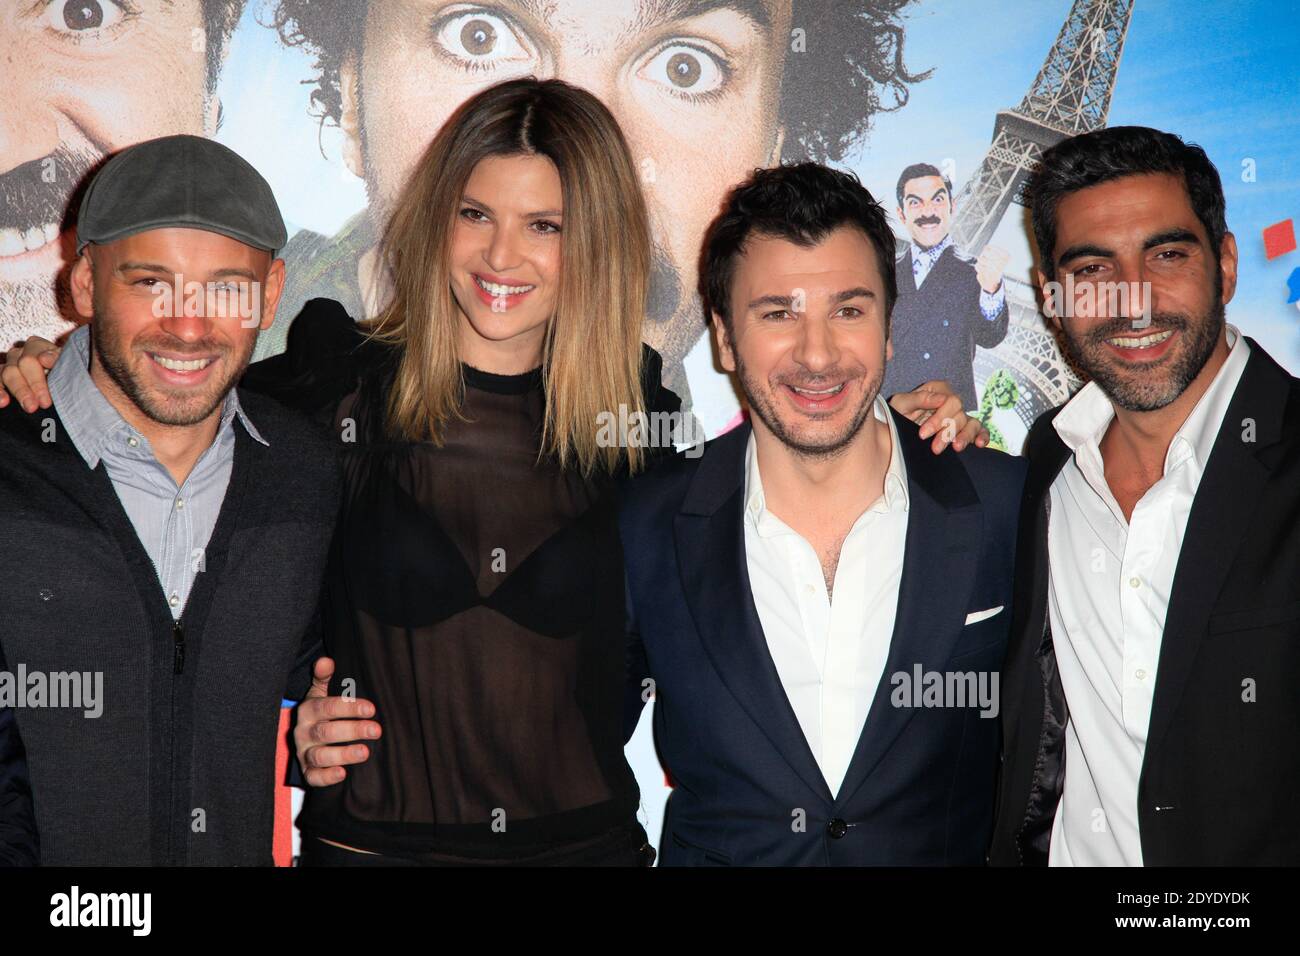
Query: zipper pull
point(178, 648)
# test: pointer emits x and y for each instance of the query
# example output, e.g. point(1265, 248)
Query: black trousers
point(625, 845)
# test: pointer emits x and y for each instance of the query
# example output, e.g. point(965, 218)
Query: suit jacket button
point(837, 828)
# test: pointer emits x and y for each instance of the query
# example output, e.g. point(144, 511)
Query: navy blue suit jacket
point(747, 788)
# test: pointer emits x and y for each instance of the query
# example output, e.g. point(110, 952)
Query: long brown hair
point(592, 349)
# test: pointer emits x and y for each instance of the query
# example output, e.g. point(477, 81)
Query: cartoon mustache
point(927, 220)
point(39, 192)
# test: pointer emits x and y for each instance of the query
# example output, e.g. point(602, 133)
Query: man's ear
point(1228, 266)
point(1049, 309)
point(350, 115)
point(725, 354)
point(81, 283)
point(271, 291)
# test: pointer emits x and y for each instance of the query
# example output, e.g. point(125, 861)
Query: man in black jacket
point(164, 534)
point(1149, 697)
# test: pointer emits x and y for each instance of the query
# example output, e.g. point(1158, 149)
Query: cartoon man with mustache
point(947, 302)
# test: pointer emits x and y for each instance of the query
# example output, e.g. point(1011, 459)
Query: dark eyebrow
point(234, 271)
point(153, 267)
point(1080, 251)
point(785, 300)
point(540, 214)
point(781, 300)
point(143, 267)
point(907, 196)
point(655, 13)
point(1177, 234)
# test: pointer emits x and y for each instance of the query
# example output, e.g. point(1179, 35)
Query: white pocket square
point(974, 617)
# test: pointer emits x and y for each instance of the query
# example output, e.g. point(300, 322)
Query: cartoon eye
point(685, 70)
point(79, 16)
point(480, 39)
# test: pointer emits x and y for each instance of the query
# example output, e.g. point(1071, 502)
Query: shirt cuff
point(991, 303)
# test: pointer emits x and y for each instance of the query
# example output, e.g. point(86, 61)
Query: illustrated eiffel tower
point(1070, 95)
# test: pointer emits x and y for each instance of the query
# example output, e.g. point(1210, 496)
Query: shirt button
point(1135, 582)
point(945, 323)
point(810, 588)
point(180, 504)
point(174, 600)
point(925, 355)
point(1140, 674)
point(133, 441)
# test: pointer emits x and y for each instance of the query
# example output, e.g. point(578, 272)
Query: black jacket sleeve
point(325, 356)
point(19, 842)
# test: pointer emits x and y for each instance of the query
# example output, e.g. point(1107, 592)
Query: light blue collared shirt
point(173, 523)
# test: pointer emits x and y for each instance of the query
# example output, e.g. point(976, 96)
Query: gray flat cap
point(183, 181)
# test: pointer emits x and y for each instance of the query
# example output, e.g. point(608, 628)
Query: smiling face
point(82, 79)
point(926, 210)
point(808, 338)
point(172, 359)
point(505, 261)
point(695, 93)
point(1148, 344)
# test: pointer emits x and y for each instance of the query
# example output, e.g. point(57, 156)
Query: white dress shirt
point(829, 654)
point(1110, 582)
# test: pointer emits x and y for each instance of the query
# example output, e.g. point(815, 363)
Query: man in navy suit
point(818, 604)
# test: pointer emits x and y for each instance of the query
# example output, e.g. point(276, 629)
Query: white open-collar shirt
point(1110, 582)
point(829, 654)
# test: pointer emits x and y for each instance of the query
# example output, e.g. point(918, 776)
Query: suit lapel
point(1225, 499)
point(944, 522)
point(710, 539)
point(904, 276)
point(1047, 455)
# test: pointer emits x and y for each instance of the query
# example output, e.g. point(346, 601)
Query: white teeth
point(1145, 342)
point(495, 289)
point(15, 243)
point(823, 392)
point(191, 366)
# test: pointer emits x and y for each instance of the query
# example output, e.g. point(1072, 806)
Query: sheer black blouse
point(474, 595)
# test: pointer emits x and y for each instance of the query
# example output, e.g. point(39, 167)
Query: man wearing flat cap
point(164, 534)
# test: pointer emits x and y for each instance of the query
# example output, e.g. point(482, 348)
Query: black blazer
point(1219, 779)
point(747, 788)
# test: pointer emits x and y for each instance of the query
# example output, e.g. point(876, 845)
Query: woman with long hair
point(475, 594)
